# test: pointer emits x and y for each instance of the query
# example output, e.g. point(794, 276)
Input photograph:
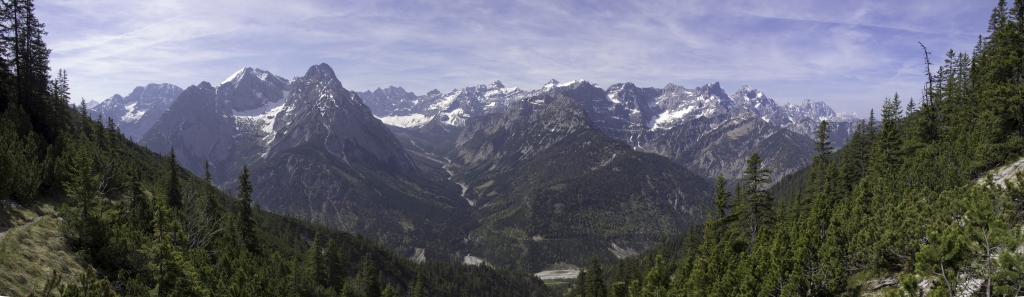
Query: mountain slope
point(725, 148)
point(331, 161)
point(667, 121)
point(550, 188)
point(198, 127)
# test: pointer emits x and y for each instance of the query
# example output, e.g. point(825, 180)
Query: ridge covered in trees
point(140, 225)
point(907, 208)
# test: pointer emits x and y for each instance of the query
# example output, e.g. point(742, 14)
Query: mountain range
point(696, 127)
point(132, 113)
point(486, 174)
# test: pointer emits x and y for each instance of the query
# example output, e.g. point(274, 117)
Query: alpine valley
point(519, 179)
point(267, 185)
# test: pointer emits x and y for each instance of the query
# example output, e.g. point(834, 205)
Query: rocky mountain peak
point(251, 88)
point(323, 114)
point(321, 72)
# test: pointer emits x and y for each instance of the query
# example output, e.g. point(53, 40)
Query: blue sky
point(850, 54)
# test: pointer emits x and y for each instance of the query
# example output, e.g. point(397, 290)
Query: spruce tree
point(174, 196)
point(368, 277)
point(246, 221)
point(418, 289)
point(174, 275)
point(212, 205)
point(721, 197)
point(594, 283)
point(821, 144)
point(335, 266)
point(757, 202)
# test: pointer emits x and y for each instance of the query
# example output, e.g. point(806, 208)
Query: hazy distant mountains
point(488, 173)
point(138, 111)
point(694, 127)
point(624, 111)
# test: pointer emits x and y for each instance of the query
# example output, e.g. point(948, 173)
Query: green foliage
point(20, 167)
point(246, 223)
point(174, 196)
point(906, 199)
point(143, 228)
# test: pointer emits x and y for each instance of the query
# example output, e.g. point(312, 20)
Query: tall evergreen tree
point(368, 277)
point(594, 285)
point(821, 144)
point(174, 196)
point(757, 202)
point(418, 289)
point(30, 59)
point(246, 221)
point(721, 198)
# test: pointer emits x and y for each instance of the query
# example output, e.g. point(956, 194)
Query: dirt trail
point(5, 230)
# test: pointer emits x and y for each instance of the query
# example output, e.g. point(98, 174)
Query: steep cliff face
point(197, 126)
point(321, 112)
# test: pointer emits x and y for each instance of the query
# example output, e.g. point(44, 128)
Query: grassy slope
point(33, 249)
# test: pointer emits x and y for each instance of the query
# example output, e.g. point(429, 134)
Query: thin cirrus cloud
point(850, 54)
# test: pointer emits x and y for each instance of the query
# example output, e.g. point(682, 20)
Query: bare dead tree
point(199, 225)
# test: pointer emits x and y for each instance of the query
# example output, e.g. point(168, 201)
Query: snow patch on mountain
point(233, 77)
point(408, 121)
point(663, 120)
point(263, 110)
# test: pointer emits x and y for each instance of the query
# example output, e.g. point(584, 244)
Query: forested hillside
point(907, 208)
point(86, 212)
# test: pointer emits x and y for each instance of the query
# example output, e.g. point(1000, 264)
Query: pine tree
point(30, 58)
point(389, 292)
point(721, 198)
point(821, 144)
point(81, 184)
point(417, 289)
point(206, 172)
point(757, 202)
point(20, 172)
point(173, 274)
point(174, 196)
point(315, 262)
point(368, 277)
point(657, 279)
point(212, 205)
point(335, 266)
point(594, 283)
point(246, 221)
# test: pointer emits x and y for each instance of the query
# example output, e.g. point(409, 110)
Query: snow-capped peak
point(237, 75)
point(551, 84)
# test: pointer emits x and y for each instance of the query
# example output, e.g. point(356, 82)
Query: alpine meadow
point(263, 185)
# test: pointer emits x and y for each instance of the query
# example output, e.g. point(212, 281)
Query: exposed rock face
point(321, 111)
point(197, 126)
point(228, 125)
point(725, 149)
point(390, 101)
point(667, 121)
point(139, 111)
point(250, 89)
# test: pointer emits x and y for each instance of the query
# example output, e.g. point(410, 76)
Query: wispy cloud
point(848, 53)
